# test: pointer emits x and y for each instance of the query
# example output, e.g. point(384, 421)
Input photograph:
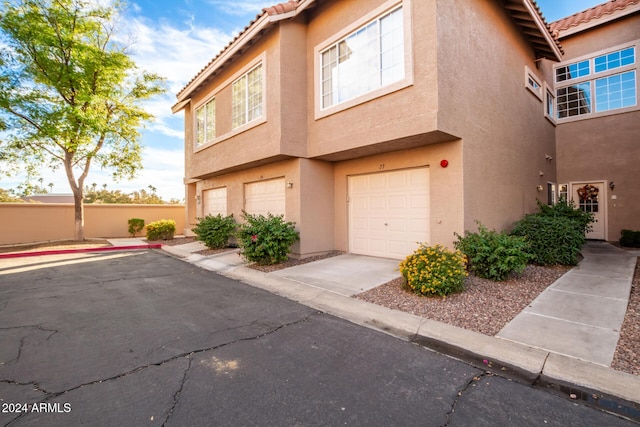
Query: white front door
point(388, 212)
point(590, 197)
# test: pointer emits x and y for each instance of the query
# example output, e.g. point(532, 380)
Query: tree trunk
point(78, 210)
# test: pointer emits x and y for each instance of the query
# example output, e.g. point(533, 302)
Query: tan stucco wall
point(26, 223)
point(445, 187)
point(483, 100)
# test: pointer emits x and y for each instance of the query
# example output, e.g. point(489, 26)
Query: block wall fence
point(22, 223)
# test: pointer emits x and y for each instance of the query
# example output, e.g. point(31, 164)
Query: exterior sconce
point(289, 184)
point(540, 188)
point(612, 185)
point(198, 199)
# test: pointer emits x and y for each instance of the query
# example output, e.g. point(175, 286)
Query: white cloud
point(244, 7)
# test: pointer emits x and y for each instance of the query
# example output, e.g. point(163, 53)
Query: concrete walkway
point(580, 315)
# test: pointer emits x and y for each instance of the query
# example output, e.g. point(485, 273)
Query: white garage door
point(214, 202)
point(389, 212)
point(265, 197)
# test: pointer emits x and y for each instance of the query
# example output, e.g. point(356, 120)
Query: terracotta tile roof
point(278, 9)
point(281, 8)
point(591, 14)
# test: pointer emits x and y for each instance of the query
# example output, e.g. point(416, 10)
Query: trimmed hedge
point(163, 229)
point(630, 238)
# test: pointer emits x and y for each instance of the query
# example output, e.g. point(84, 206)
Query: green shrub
point(630, 238)
point(555, 233)
point(266, 240)
point(163, 229)
point(552, 239)
point(135, 226)
point(493, 255)
point(215, 231)
point(566, 209)
point(434, 270)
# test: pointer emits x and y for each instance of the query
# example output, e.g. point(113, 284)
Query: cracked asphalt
point(140, 338)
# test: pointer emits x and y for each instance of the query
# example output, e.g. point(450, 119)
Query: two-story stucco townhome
point(376, 124)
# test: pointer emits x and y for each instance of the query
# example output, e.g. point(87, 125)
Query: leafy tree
point(7, 197)
point(69, 92)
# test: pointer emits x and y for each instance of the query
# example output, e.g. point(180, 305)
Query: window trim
point(389, 6)
point(531, 76)
point(203, 105)
point(245, 75)
point(259, 59)
point(593, 76)
point(549, 91)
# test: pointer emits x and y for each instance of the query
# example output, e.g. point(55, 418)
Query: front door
point(590, 197)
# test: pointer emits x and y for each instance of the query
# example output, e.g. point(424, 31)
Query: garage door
point(388, 212)
point(265, 196)
point(214, 202)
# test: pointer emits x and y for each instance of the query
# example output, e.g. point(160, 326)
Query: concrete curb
point(598, 385)
point(79, 250)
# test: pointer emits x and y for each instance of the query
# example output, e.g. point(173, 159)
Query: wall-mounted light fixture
point(612, 185)
point(289, 184)
point(198, 199)
point(540, 188)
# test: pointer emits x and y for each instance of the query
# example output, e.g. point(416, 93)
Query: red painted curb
point(73, 251)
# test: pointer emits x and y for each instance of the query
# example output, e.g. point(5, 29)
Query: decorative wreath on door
point(588, 193)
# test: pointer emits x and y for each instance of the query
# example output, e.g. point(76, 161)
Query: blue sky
point(176, 39)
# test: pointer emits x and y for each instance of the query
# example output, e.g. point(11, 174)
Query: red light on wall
point(444, 163)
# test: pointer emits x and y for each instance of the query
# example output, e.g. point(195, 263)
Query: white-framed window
point(369, 58)
point(206, 122)
point(550, 104)
point(532, 82)
point(551, 193)
point(563, 192)
point(599, 83)
point(247, 97)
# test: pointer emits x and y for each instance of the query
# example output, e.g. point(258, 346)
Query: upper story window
point(604, 82)
point(206, 122)
point(550, 104)
point(572, 71)
point(369, 58)
point(532, 82)
point(247, 97)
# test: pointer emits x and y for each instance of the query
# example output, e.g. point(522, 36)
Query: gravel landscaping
point(486, 307)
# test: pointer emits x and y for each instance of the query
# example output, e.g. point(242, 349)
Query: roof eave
point(261, 23)
point(243, 39)
point(533, 26)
